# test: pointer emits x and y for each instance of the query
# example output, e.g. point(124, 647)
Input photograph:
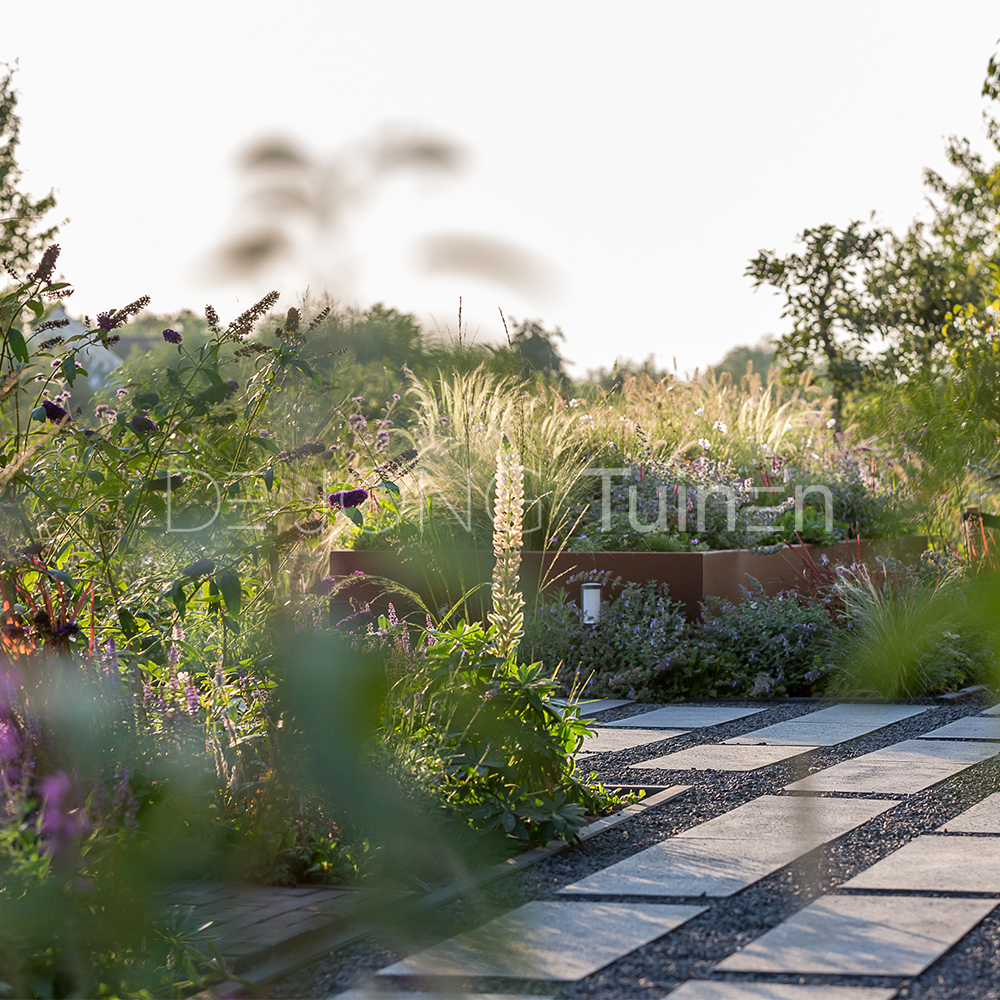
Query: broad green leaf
point(127, 622)
point(269, 478)
point(355, 515)
point(69, 369)
point(266, 443)
point(38, 413)
point(61, 575)
point(232, 590)
point(17, 345)
point(178, 596)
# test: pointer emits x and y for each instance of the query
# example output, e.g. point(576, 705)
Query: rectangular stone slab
point(862, 936)
point(373, 994)
point(722, 757)
point(903, 768)
point(728, 853)
point(936, 864)
point(830, 726)
point(995, 710)
point(685, 717)
point(983, 817)
point(707, 990)
point(548, 939)
point(613, 740)
point(593, 706)
point(972, 727)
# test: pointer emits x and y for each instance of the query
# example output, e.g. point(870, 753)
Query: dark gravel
point(970, 971)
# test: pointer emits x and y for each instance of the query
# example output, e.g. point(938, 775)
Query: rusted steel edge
point(287, 962)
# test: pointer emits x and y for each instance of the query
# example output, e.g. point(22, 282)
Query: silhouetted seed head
point(398, 466)
point(47, 266)
point(319, 317)
point(213, 318)
point(248, 349)
point(51, 342)
point(246, 321)
point(50, 324)
point(132, 309)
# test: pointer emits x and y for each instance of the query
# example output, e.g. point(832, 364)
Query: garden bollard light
point(591, 600)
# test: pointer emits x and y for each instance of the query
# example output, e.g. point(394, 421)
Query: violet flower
point(171, 336)
point(53, 411)
point(347, 498)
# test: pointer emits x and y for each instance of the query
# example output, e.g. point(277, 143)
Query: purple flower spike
point(53, 411)
point(171, 336)
point(347, 498)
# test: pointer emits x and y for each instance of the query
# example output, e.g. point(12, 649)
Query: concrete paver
point(732, 851)
point(935, 864)
point(548, 939)
point(901, 769)
point(862, 936)
point(830, 726)
point(972, 727)
point(722, 757)
point(712, 990)
point(613, 740)
point(591, 706)
point(686, 717)
point(983, 817)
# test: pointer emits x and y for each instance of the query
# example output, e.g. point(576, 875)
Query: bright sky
point(646, 150)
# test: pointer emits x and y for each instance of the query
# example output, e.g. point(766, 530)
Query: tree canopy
point(21, 237)
point(865, 303)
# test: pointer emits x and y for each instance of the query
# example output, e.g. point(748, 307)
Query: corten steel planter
point(690, 576)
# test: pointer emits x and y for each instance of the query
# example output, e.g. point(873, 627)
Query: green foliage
point(643, 648)
point(639, 629)
point(745, 359)
point(21, 239)
point(486, 744)
point(782, 643)
point(909, 636)
point(825, 299)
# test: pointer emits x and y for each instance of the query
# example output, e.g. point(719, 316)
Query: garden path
point(869, 928)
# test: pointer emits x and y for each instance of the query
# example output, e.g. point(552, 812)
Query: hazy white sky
point(647, 150)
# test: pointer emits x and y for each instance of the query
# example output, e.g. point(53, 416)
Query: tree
point(760, 355)
point(827, 299)
point(20, 216)
point(535, 347)
point(873, 304)
point(941, 267)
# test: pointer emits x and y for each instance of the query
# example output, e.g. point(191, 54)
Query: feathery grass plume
point(507, 616)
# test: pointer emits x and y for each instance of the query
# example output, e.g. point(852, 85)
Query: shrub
point(643, 648)
point(638, 629)
point(783, 643)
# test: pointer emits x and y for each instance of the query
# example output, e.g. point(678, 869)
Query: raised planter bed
point(691, 576)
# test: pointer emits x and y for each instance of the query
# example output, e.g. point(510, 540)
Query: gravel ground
point(970, 971)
